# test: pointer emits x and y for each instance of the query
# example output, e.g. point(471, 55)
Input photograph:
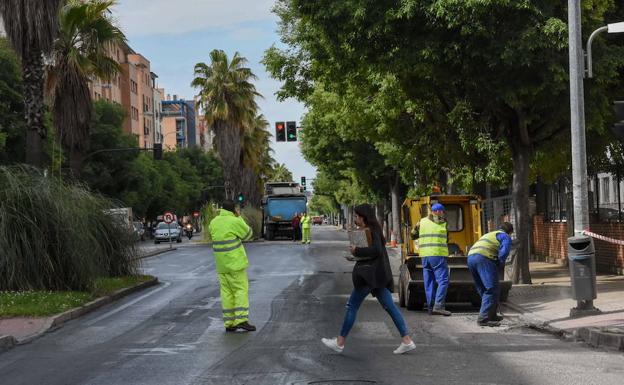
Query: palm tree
point(81, 52)
point(281, 173)
point(256, 159)
point(31, 26)
point(228, 98)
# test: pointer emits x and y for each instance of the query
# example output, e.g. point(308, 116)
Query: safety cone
point(393, 242)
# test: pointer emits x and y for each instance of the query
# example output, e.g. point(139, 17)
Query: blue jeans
point(385, 299)
point(485, 274)
point(436, 277)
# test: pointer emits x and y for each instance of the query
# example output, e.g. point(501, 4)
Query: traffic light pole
point(579, 155)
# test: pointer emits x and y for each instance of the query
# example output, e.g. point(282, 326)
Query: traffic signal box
point(291, 131)
point(280, 132)
point(303, 183)
point(240, 198)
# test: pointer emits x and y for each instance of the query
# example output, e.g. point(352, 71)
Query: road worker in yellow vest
point(484, 259)
point(305, 228)
point(228, 232)
point(432, 238)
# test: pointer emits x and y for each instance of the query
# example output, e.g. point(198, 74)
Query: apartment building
point(178, 123)
point(134, 88)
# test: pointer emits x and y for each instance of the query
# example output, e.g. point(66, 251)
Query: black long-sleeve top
point(372, 268)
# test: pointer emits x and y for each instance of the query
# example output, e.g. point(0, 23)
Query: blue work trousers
point(485, 274)
point(385, 299)
point(436, 277)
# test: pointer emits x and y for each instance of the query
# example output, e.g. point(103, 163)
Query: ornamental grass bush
point(58, 236)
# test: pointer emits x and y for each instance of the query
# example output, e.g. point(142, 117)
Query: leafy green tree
point(446, 82)
point(12, 125)
point(86, 32)
point(31, 27)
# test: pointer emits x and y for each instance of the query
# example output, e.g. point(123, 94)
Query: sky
point(175, 35)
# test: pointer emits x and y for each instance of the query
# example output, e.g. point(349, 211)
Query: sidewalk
point(547, 302)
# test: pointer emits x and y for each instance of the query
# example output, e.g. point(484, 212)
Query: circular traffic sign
point(168, 217)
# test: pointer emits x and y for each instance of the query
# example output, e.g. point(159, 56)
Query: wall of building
point(145, 95)
point(549, 242)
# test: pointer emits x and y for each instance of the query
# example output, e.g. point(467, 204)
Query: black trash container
point(582, 262)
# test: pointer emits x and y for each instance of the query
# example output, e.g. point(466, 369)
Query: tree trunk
point(394, 192)
point(33, 73)
point(227, 142)
point(520, 192)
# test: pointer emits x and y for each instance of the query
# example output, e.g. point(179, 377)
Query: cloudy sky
point(174, 35)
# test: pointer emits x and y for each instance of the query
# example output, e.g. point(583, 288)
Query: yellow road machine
point(463, 217)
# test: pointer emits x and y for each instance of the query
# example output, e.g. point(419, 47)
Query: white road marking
point(120, 308)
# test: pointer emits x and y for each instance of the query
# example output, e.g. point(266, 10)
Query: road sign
point(168, 217)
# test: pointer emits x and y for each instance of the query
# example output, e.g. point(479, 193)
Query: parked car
point(317, 220)
point(162, 232)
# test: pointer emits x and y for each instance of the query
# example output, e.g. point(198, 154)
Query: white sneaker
point(332, 343)
point(404, 348)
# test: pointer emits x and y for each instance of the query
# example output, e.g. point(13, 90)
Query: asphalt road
point(173, 334)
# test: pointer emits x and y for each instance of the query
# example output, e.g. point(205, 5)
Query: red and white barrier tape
point(603, 238)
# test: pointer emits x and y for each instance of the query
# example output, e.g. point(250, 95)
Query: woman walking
point(371, 275)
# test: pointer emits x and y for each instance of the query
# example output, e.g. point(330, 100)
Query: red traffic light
point(280, 126)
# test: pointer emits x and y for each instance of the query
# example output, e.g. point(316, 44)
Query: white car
point(162, 232)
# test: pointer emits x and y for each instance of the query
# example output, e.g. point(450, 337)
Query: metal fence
point(495, 211)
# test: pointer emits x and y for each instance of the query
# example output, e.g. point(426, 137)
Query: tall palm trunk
point(33, 73)
point(228, 143)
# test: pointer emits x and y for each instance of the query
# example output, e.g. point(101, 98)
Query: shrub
point(57, 236)
point(253, 217)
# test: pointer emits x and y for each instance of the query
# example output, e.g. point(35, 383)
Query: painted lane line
point(120, 308)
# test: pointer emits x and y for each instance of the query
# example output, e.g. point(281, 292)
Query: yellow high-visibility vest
point(432, 239)
point(487, 245)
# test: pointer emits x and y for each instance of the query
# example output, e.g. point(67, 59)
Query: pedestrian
point(305, 228)
point(484, 259)
point(371, 275)
point(228, 232)
point(432, 238)
point(296, 221)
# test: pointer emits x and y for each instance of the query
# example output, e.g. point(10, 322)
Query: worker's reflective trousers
point(234, 297)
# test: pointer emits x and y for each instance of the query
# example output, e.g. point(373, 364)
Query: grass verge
point(46, 303)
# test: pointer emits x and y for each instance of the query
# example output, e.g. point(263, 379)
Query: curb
point(154, 253)
point(594, 337)
point(7, 342)
point(599, 338)
point(55, 322)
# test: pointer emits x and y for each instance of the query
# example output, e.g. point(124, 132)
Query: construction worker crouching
point(228, 231)
point(305, 228)
point(432, 236)
point(484, 257)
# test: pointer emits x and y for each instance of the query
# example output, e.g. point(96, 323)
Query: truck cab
point(463, 216)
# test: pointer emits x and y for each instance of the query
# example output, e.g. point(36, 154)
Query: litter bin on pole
point(582, 263)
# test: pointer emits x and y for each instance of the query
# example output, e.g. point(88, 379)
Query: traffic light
point(280, 132)
point(240, 198)
point(303, 183)
point(291, 131)
point(157, 151)
point(618, 127)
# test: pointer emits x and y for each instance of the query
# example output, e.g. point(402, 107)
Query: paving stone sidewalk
point(547, 302)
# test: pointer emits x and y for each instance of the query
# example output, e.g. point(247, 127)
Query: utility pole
point(581, 255)
point(577, 110)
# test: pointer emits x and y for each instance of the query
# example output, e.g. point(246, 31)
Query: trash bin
point(582, 262)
